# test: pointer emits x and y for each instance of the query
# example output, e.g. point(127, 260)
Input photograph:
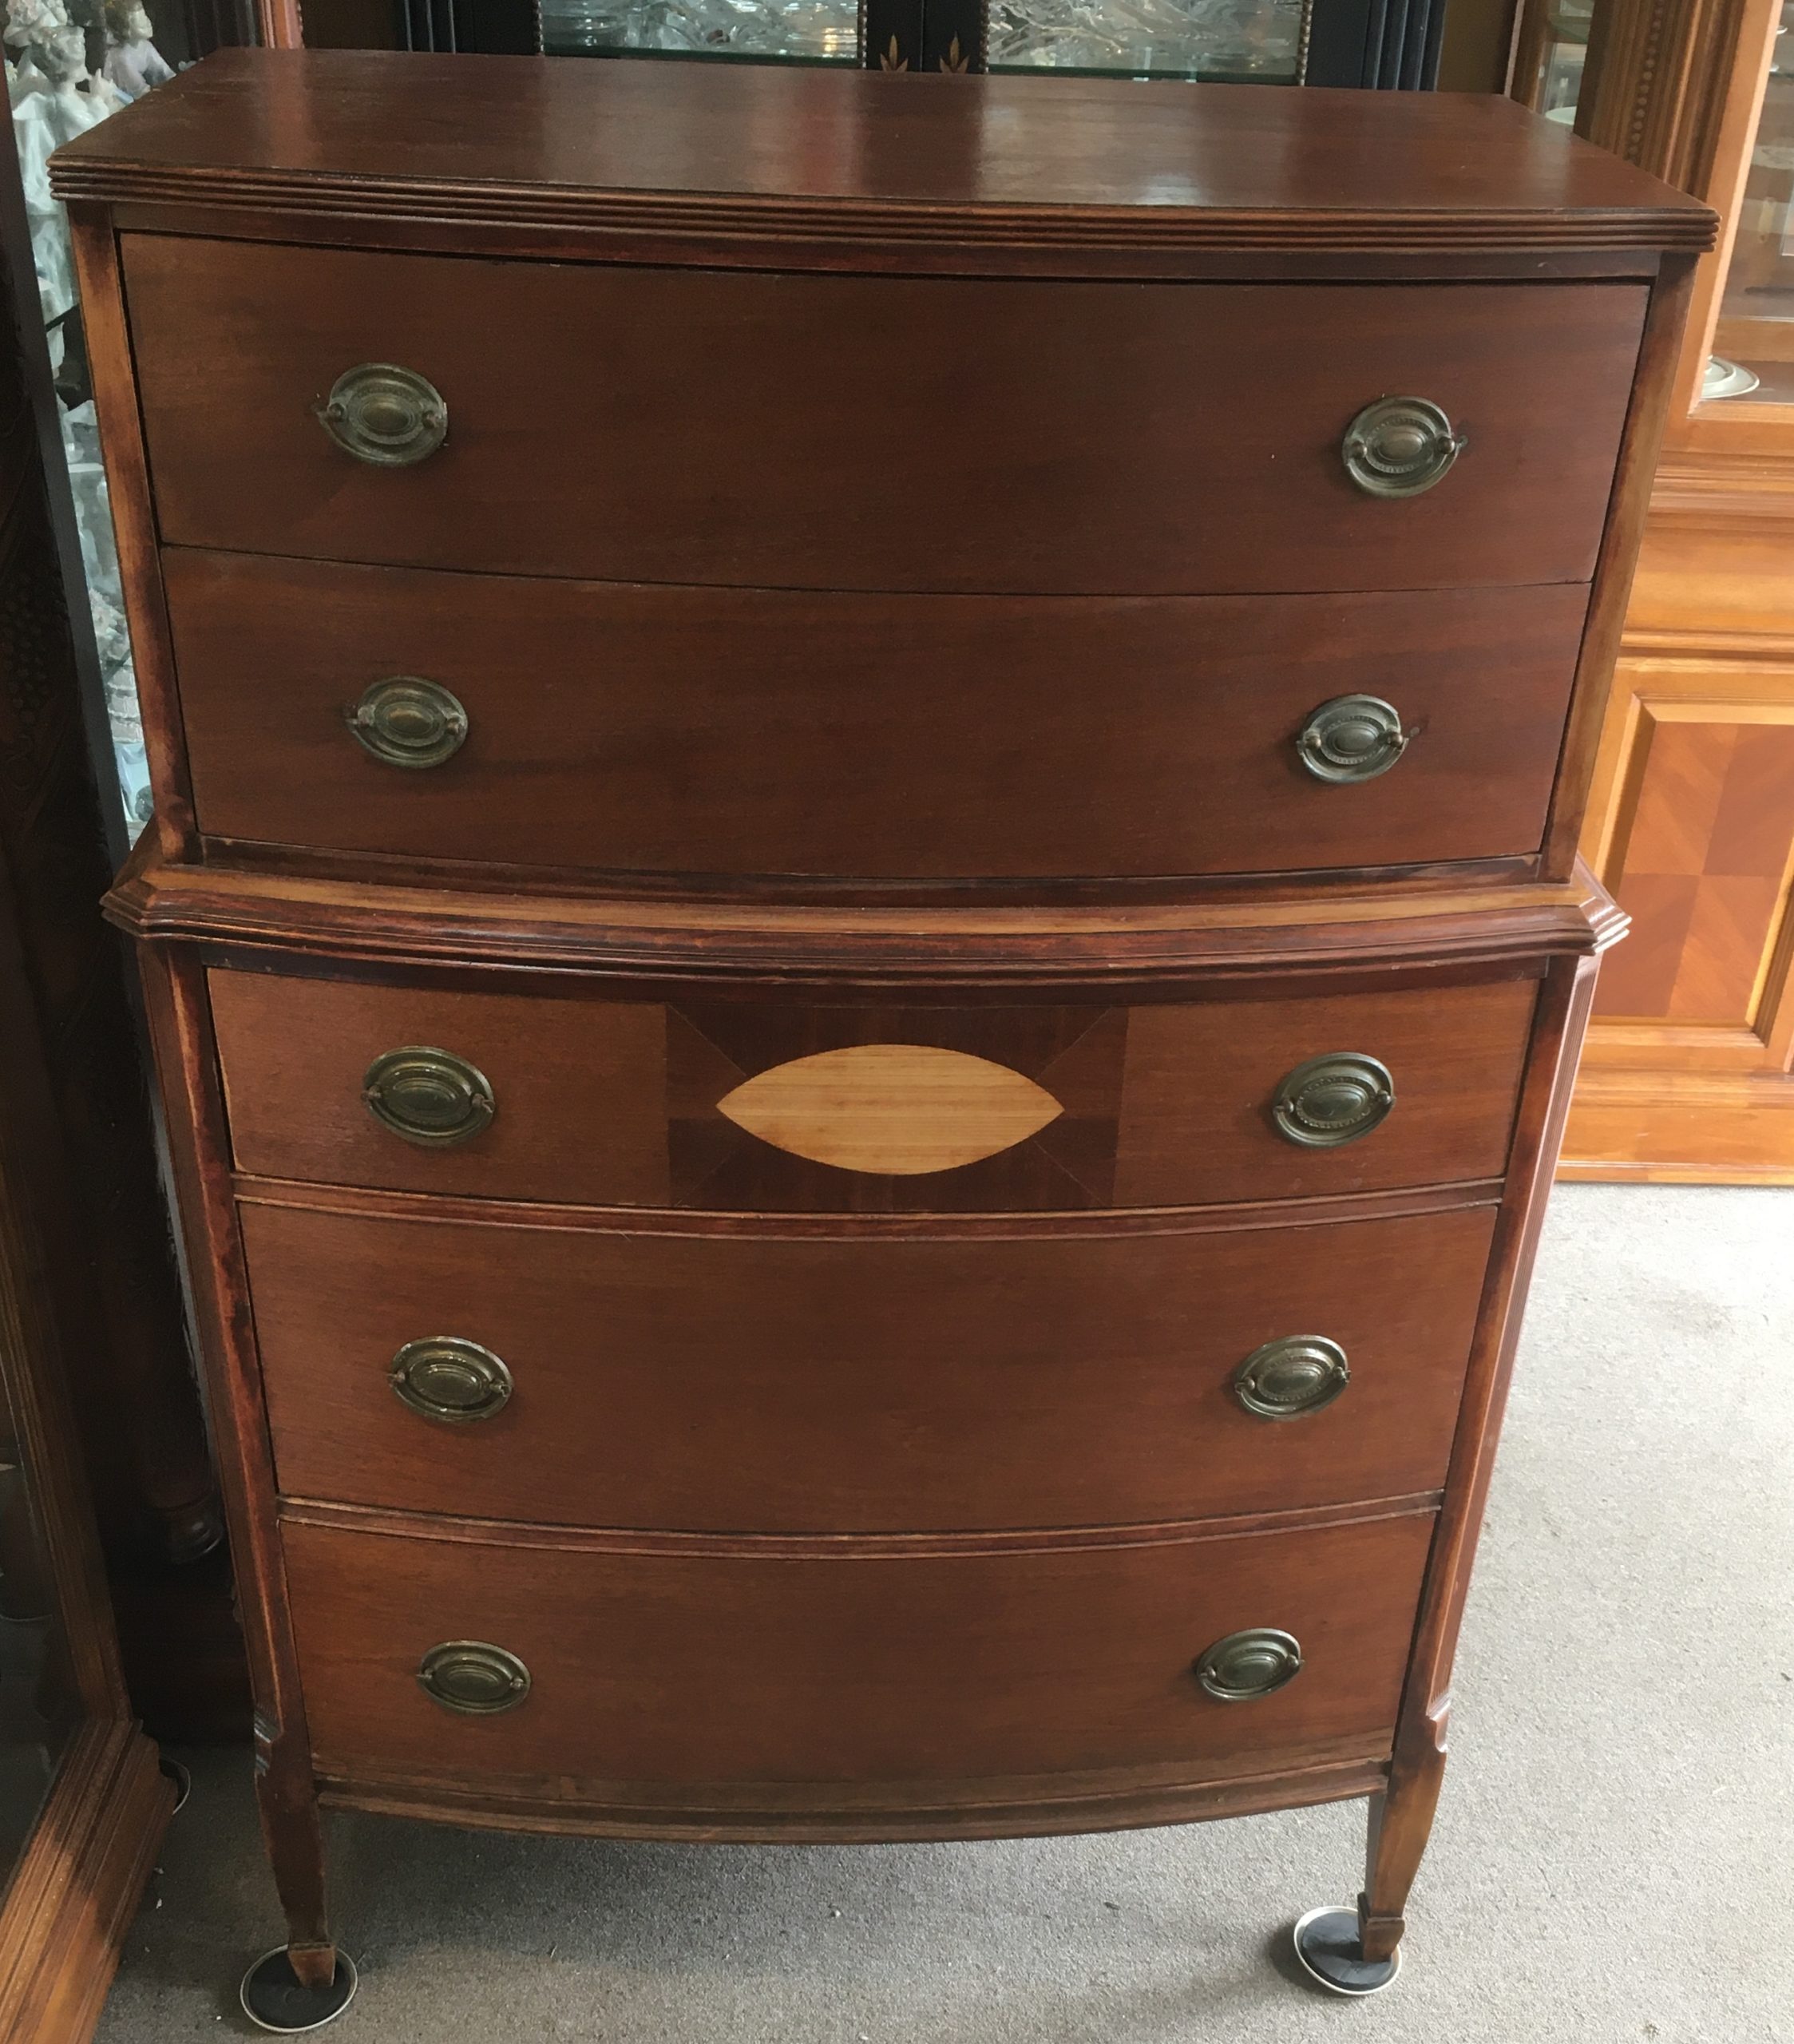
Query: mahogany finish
point(923, 1660)
point(767, 732)
point(611, 1103)
point(686, 425)
point(835, 1385)
point(877, 908)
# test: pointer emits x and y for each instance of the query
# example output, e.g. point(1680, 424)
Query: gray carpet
point(1614, 1859)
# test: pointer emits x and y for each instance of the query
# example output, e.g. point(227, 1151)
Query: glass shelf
point(789, 31)
point(1242, 40)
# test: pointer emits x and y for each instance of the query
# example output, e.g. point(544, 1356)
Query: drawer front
point(792, 1384)
point(770, 1107)
point(840, 432)
point(740, 732)
point(714, 1666)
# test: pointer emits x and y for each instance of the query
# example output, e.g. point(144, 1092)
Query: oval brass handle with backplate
point(473, 1677)
point(389, 417)
point(404, 720)
point(1246, 1665)
point(1399, 447)
point(444, 1376)
point(429, 1096)
point(1326, 1101)
point(1353, 737)
point(1289, 1378)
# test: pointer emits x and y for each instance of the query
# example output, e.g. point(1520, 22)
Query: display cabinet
point(1280, 43)
point(72, 796)
point(1687, 1072)
point(82, 1328)
point(1550, 54)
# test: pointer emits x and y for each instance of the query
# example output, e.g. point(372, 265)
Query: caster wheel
point(1327, 1945)
point(183, 1782)
point(274, 1997)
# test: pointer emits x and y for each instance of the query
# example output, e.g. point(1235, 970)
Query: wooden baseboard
point(78, 1885)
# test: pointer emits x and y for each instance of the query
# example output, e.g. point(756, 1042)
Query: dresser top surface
point(804, 151)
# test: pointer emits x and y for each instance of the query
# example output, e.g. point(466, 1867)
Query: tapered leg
point(1400, 1824)
point(1359, 1953)
point(308, 1982)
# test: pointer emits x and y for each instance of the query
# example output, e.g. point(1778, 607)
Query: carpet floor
point(1614, 1853)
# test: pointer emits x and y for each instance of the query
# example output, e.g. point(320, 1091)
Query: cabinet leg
point(1359, 1951)
point(305, 1983)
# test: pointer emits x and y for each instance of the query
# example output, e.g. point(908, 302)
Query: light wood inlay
point(898, 1108)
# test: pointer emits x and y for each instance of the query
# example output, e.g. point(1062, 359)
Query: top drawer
point(849, 431)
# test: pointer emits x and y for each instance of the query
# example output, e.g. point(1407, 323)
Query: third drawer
point(788, 1382)
point(801, 1105)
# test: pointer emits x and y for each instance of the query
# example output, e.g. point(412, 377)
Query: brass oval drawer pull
point(473, 1677)
point(1246, 1665)
point(429, 1096)
point(1288, 1379)
point(1326, 1101)
point(1353, 737)
point(446, 1378)
point(1399, 446)
point(388, 417)
point(405, 721)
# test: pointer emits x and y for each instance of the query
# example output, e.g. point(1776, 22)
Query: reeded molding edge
point(779, 222)
point(661, 938)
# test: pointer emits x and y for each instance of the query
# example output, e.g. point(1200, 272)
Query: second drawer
point(792, 1383)
point(921, 739)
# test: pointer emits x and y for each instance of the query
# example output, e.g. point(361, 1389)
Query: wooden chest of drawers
point(861, 925)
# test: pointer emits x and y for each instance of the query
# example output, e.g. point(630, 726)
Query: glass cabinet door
point(777, 31)
point(1277, 42)
point(1753, 343)
point(1249, 42)
point(1550, 50)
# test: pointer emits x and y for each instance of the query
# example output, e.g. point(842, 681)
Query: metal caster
point(183, 1779)
point(274, 1997)
point(1328, 1947)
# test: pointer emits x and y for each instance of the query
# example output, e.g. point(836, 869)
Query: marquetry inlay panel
point(893, 1109)
point(901, 1108)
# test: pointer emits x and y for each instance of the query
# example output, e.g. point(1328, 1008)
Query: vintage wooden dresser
point(861, 926)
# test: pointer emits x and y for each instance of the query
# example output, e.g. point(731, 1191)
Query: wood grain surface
point(766, 1666)
point(807, 160)
point(616, 1103)
point(755, 732)
point(684, 425)
point(797, 1383)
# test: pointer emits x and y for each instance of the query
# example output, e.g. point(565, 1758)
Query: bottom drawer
point(663, 1660)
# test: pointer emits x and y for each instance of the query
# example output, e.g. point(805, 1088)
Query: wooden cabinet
point(1689, 1072)
point(862, 1100)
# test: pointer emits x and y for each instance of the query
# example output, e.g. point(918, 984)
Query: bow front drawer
point(751, 1106)
point(588, 726)
point(606, 1660)
point(822, 432)
point(853, 1382)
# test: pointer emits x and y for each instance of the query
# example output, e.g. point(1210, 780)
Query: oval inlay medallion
point(899, 1109)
